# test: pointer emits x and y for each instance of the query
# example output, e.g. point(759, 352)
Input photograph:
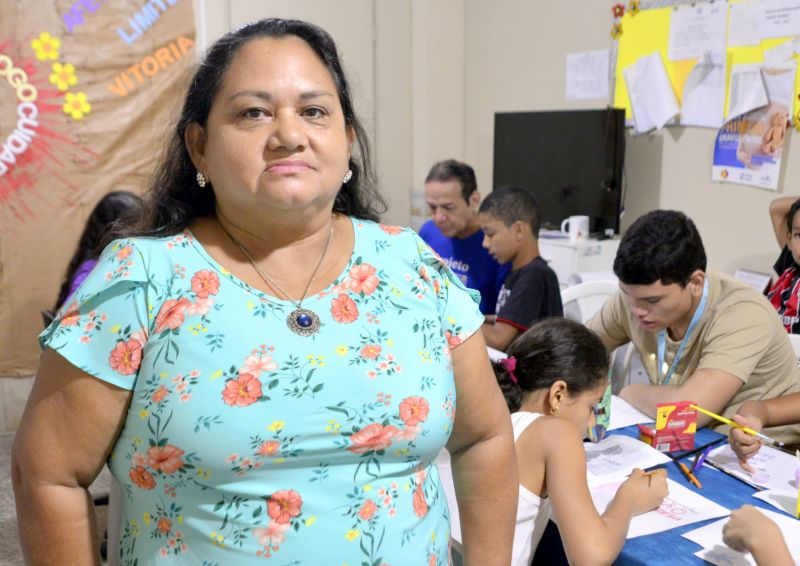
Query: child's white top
point(533, 511)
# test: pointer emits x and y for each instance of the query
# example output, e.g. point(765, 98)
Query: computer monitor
point(572, 160)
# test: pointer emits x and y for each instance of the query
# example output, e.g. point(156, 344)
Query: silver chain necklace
point(301, 321)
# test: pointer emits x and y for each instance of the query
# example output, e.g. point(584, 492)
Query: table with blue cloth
point(668, 547)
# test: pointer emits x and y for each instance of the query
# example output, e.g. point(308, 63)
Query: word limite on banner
point(144, 19)
point(150, 66)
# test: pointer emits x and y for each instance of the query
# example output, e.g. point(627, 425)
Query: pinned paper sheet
point(681, 507)
point(624, 414)
point(774, 469)
point(617, 455)
point(744, 24)
point(780, 54)
point(587, 75)
point(696, 29)
point(716, 552)
point(704, 92)
point(748, 91)
point(651, 94)
point(780, 18)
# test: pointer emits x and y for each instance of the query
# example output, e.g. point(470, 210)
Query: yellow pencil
point(746, 429)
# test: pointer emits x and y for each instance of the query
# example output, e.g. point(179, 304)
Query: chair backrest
point(581, 301)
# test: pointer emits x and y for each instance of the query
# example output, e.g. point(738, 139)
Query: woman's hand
point(744, 445)
point(644, 492)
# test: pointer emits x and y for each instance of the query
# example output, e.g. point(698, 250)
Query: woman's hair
point(175, 198)
point(115, 213)
point(552, 349)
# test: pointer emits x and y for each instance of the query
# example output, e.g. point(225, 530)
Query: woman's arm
point(482, 453)
point(778, 210)
point(69, 426)
point(588, 537)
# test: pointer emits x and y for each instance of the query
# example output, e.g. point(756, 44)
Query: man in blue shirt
point(451, 194)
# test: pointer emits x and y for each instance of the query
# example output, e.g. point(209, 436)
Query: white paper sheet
point(716, 552)
point(748, 91)
point(681, 507)
point(696, 28)
point(744, 24)
point(780, 54)
point(780, 499)
point(617, 455)
point(651, 93)
point(624, 414)
point(774, 469)
point(780, 18)
point(587, 75)
point(704, 92)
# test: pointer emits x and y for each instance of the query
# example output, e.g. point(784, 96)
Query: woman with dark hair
point(116, 211)
point(271, 371)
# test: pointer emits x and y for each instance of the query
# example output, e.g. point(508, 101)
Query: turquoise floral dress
point(244, 441)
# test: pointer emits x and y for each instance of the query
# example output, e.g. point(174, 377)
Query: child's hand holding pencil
point(643, 491)
point(745, 445)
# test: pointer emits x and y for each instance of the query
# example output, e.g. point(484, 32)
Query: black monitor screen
point(571, 160)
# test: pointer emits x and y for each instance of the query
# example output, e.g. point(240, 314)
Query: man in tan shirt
point(723, 343)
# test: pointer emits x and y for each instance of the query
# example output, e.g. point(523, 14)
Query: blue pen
point(700, 459)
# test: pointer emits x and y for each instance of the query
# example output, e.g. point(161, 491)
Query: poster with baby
point(749, 145)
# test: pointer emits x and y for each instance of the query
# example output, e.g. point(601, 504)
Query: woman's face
point(276, 134)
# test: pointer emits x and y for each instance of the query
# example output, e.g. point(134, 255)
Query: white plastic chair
point(581, 301)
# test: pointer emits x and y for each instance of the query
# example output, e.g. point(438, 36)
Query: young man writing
point(702, 336)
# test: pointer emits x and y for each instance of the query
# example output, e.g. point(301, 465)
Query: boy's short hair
point(512, 204)
point(662, 245)
point(452, 170)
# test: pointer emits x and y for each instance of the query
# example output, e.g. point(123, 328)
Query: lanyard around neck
point(662, 339)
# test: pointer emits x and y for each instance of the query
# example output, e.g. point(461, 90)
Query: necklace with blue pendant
point(303, 322)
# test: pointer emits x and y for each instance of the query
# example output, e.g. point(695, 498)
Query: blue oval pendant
point(303, 322)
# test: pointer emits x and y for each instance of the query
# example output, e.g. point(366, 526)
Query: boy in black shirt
point(510, 223)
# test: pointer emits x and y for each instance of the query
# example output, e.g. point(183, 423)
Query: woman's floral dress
point(245, 441)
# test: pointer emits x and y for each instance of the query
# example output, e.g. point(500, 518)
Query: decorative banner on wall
point(87, 88)
point(748, 148)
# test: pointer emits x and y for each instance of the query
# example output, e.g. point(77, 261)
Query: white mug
point(577, 227)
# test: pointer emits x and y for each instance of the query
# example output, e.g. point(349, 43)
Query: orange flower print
point(205, 283)
point(367, 510)
point(391, 230)
point(165, 458)
point(159, 394)
point(142, 478)
point(269, 448)
point(171, 314)
point(420, 505)
point(70, 319)
point(273, 535)
point(452, 341)
point(372, 437)
point(283, 505)
point(242, 391)
point(164, 525)
point(432, 560)
point(370, 351)
point(423, 272)
point(344, 309)
point(362, 279)
point(414, 410)
point(126, 357)
point(124, 253)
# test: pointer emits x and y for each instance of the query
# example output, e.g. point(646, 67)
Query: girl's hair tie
point(510, 364)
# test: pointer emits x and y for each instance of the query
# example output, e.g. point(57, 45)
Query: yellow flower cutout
point(633, 7)
point(76, 105)
point(46, 46)
point(616, 31)
point(63, 76)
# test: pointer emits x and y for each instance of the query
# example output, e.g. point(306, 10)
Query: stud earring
point(347, 176)
point(201, 180)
